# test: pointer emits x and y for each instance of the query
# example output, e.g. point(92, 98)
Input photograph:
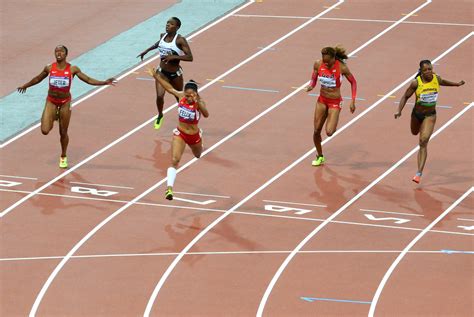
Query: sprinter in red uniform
point(58, 102)
point(190, 108)
point(329, 70)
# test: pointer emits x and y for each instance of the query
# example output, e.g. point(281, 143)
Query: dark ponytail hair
point(423, 62)
point(191, 84)
point(338, 52)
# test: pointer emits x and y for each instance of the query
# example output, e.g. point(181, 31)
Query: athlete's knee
point(330, 132)
point(424, 142)
point(175, 162)
point(317, 132)
point(45, 131)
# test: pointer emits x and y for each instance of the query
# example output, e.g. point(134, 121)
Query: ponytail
point(338, 52)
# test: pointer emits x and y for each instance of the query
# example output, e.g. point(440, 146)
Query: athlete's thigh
point(332, 119)
point(427, 127)
point(178, 147)
point(320, 114)
point(47, 118)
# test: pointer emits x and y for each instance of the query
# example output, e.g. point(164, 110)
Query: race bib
point(430, 97)
point(328, 82)
point(59, 82)
point(186, 114)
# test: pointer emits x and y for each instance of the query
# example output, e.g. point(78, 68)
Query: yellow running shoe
point(169, 194)
point(63, 162)
point(158, 122)
point(318, 161)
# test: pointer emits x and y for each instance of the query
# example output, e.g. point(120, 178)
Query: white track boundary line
point(248, 213)
point(203, 195)
point(218, 220)
point(350, 20)
point(120, 210)
point(128, 255)
point(408, 247)
point(140, 65)
point(344, 207)
point(465, 219)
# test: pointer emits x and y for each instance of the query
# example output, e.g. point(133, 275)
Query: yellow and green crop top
point(427, 93)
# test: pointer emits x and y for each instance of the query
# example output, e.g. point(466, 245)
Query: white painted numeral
point(8, 183)
point(92, 191)
point(297, 211)
point(207, 202)
point(469, 228)
point(395, 220)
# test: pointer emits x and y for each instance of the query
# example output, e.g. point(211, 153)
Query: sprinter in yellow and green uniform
point(423, 117)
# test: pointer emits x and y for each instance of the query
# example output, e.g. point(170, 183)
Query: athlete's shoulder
point(317, 64)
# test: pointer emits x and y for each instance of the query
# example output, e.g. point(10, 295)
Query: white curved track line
point(218, 220)
point(140, 65)
point(285, 263)
point(408, 247)
point(130, 203)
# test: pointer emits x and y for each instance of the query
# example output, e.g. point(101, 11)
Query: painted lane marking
point(395, 263)
point(395, 220)
point(391, 212)
point(19, 177)
point(313, 299)
point(202, 203)
point(248, 213)
point(250, 89)
point(292, 203)
point(103, 185)
point(205, 195)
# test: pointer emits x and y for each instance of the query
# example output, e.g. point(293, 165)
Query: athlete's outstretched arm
point(314, 76)
point(151, 48)
point(166, 85)
point(37, 79)
point(91, 81)
point(408, 93)
point(444, 82)
point(347, 73)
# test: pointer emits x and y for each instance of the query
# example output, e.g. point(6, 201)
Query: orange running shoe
point(417, 178)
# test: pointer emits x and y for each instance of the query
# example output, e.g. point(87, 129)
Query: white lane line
point(408, 247)
point(344, 207)
point(263, 252)
point(19, 177)
point(218, 220)
point(123, 137)
point(249, 213)
point(465, 219)
point(392, 212)
point(350, 19)
point(152, 188)
point(204, 195)
point(103, 185)
point(290, 203)
point(131, 71)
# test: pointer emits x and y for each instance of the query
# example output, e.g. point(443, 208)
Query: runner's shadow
point(160, 158)
point(331, 187)
point(226, 231)
point(181, 235)
point(429, 206)
point(49, 205)
point(214, 159)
